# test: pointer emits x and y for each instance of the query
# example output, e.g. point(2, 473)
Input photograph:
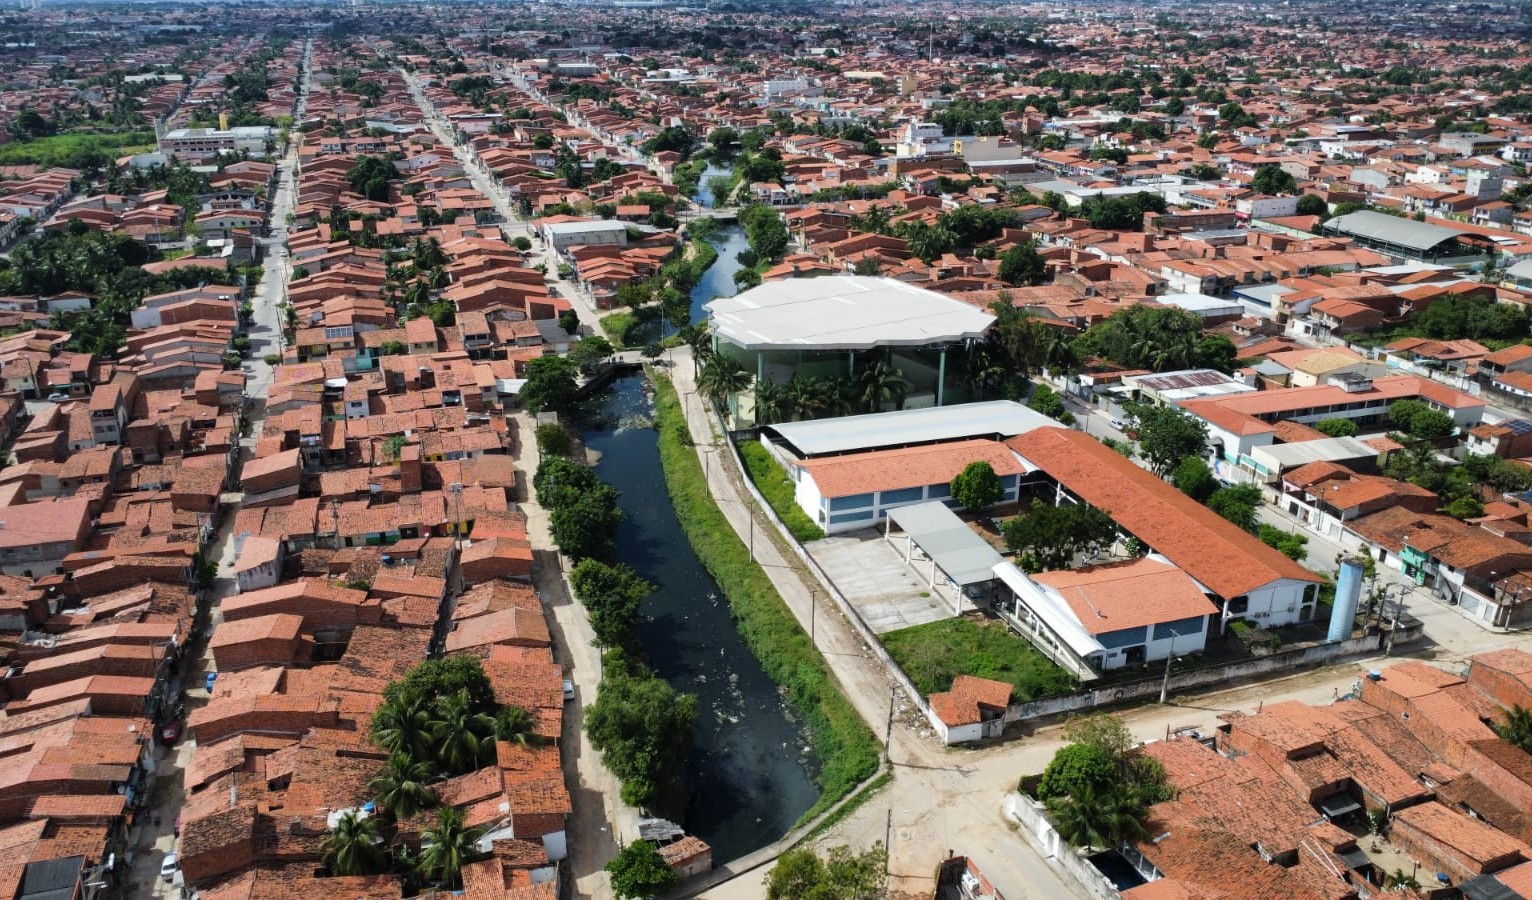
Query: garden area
point(771, 480)
point(936, 652)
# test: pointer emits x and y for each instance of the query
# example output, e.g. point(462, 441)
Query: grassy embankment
point(936, 652)
point(846, 747)
point(772, 481)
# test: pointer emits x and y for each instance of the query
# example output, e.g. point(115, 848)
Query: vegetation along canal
point(750, 772)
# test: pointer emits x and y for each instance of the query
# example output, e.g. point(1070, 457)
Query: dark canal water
point(750, 772)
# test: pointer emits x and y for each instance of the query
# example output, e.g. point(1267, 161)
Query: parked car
point(169, 866)
point(1118, 424)
point(569, 692)
point(212, 677)
point(57, 397)
point(170, 732)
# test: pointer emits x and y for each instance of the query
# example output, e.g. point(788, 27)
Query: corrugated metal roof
point(1388, 229)
point(964, 556)
point(874, 431)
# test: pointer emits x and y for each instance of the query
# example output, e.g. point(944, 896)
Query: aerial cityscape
point(766, 451)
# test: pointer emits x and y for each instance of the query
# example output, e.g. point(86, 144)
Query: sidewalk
point(599, 820)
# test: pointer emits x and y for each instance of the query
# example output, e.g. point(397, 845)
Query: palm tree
point(353, 847)
point(880, 382)
point(1517, 728)
point(401, 787)
point(404, 727)
point(771, 401)
point(721, 378)
point(805, 397)
point(1093, 819)
point(515, 725)
point(446, 847)
point(982, 371)
point(840, 395)
point(462, 734)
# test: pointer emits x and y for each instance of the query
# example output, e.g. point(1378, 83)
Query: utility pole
point(888, 734)
point(1165, 685)
point(813, 616)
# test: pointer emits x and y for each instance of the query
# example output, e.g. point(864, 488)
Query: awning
point(1338, 805)
point(964, 556)
point(1355, 859)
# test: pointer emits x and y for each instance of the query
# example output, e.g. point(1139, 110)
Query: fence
point(1285, 661)
point(1037, 828)
point(870, 640)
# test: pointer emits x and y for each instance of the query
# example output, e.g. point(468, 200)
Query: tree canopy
point(1049, 537)
point(977, 486)
point(1166, 435)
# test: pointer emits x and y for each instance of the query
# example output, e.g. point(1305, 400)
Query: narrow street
point(157, 835)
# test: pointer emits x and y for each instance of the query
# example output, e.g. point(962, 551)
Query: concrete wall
point(1307, 657)
point(1037, 829)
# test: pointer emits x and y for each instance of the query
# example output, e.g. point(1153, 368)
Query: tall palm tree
point(447, 846)
point(1517, 728)
point(840, 395)
point(880, 382)
point(404, 727)
point(401, 786)
point(721, 378)
point(354, 847)
point(806, 397)
point(464, 736)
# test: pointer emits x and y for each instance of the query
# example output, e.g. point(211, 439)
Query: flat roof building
point(1404, 238)
point(994, 419)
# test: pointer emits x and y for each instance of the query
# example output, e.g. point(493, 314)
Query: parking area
point(887, 592)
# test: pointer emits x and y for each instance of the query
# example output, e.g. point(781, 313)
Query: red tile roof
point(888, 470)
point(1132, 594)
point(1208, 547)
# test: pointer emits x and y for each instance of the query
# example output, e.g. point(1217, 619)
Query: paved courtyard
point(887, 592)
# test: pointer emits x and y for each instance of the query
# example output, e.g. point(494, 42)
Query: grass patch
point(617, 326)
point(936, 652)
point(846, 747)
point(772, 481)
point(75, 150)
point(867, 792)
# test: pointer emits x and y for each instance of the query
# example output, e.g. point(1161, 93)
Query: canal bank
point(751, 772)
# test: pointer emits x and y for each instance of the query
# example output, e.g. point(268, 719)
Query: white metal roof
point(1290, 456)
point(964, 556)
point(876, 431)
point(1052, 610)
point(843, 312)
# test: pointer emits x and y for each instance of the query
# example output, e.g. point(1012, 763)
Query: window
point(855, 501)
point(903, 495)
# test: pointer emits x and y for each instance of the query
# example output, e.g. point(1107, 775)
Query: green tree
point(721, 378)
point(1167, 435)
point(354, 846)
point(977, 486)
point(402, 786)
point(612, 595)
point(1047, 401)
point(1290, 544)
point(642, 728)
point(1420, 421)
point(1238, 504)
point(447, 846)
point(801, 875)
point(1517, 728)
point(1050, 537)
point(462, 734)
point(553, 440)
point(586, 526)
point(1195, 479)
point(551, 385)
point(1272, 179)
point(1313, 205)
point(1074, 768)
point(1100, 817)
point(589, 353)
point(403, 726)
point(640, 873)
point(878, 383)
point(1336, 427)
point(765, 231)
point(1022, 264)
point(1467, 507)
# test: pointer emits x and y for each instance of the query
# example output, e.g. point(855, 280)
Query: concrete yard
point(886, 591)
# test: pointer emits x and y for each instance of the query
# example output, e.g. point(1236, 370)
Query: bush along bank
point(846, 747)
point(640, 725)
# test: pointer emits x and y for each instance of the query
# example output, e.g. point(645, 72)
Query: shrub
point(553, 440)
point(977, 486)
point(1336, 427)
point(772, 481)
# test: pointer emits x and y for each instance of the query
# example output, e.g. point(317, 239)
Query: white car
point(57, 397)
point(1118, 424)
point(169, 866)
point(569, 692)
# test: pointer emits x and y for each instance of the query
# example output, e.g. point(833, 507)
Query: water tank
point(1348, 595)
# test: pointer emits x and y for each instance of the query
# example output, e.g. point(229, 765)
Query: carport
point(934, 534)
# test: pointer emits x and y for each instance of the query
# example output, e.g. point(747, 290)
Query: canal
point(750, 775)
